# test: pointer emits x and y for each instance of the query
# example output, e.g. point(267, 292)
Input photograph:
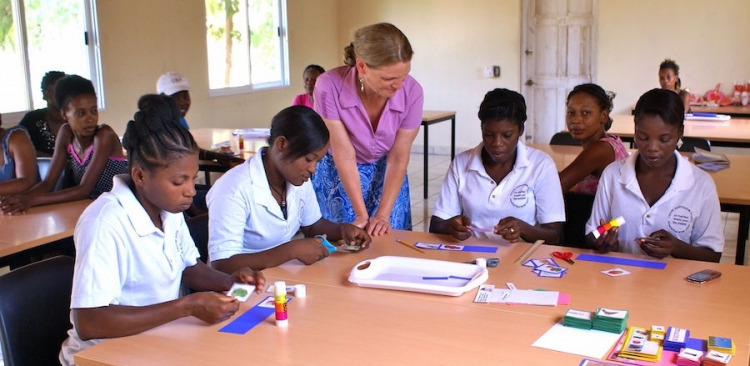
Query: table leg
point(426, 139)
point(742, 234)
point(453, 137)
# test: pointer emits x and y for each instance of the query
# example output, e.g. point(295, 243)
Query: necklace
point(282, 197)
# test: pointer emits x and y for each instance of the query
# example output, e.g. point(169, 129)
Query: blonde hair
point(378, 45)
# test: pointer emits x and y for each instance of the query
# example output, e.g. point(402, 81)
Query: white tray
point(412, 274)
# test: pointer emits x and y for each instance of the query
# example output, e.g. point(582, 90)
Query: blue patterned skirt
point(336, 206)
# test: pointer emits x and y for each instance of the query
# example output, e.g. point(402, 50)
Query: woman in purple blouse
point(373, 110)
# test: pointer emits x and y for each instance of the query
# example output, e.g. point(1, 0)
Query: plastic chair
point(43, 164)
point(690, 143)
point(198, 227)
point(577, 212)
point(564, 138)
point(35, 311)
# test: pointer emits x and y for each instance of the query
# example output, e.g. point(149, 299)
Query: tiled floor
point(438, 166)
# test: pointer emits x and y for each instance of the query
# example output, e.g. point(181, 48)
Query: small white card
point(289, 288)
point(267, 303)
point(616, 272)
point(241, 291)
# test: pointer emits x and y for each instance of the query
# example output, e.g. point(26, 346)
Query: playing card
point(544, 261)
point(529, 263)
point(551, 268)
point(616, 272)
point(427, 245)
point(241, 291)
point(267, 303)
point(451, 247)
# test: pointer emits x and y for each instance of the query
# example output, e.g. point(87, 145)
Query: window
point(247, 45)
point(37, 36)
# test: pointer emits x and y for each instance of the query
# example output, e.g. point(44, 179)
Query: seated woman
point(587, 119)
point(669, 205)
point(501, 187)
point(18, 170)
point(669, 79)
point(309, 76)
point(44, 124)
point(93, 151)
point(256, 208)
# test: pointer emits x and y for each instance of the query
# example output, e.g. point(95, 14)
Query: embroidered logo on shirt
point(519, 197)
point(680, 219)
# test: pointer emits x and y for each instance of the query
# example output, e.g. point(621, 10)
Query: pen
point(409, 246)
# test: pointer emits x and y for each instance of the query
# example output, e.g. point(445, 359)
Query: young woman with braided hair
point(133, 246)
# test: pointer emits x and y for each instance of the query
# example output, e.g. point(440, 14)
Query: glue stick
point(279, 299)
point(603, 228)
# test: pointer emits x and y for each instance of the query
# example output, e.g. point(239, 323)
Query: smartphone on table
point(703, 276)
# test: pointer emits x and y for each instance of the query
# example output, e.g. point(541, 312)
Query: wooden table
point(732, 133)
point(430, 118)
point(39, 226)
point(731, 186)
point(340, 323)
point(734, 111)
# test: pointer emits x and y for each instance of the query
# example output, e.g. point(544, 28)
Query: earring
point(679, 144)
point(362, 85)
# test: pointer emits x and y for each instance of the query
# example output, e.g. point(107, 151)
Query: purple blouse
point(336, 99)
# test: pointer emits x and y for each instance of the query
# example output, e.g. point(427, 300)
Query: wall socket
point(491, 71)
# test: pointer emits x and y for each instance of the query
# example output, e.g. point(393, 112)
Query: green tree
point(6, 25)
point(226, 31)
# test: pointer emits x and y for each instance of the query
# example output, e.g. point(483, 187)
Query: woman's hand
point(212, 307)
point(378, 225)
point(354, 235)
point(458, 227)
point(510, 228)
point(247, 275)
point(659, 244)
point(360, 221)
point(308, 250)
point(607, 242)
point(15, 204)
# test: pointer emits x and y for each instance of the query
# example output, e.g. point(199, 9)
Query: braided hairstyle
point(155, 137)
point(503, 104)
point(663, 103)
point(303, 129)
point(603, 98)
point(50, 78)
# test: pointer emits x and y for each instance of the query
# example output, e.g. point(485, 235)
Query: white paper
point(488, 293)
point(590, 343)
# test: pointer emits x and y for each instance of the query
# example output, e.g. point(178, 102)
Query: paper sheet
point(487, 293)
point(589, 343)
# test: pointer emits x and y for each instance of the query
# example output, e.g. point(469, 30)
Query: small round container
point(300, 291)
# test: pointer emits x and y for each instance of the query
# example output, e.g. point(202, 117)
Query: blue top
point(183, 122)
point(8, 170)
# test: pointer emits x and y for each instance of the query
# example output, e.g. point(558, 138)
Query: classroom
point(453, 42)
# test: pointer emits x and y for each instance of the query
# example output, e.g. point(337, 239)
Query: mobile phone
point(703, 276)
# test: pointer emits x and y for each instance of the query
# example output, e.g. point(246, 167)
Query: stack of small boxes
point(720, 351)
point(675, 339)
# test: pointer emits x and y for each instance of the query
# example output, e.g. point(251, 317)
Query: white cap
point(279, 288)
point(300, 291)
point(172, 83)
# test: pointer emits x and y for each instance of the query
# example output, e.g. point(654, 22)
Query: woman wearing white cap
point(176, 86)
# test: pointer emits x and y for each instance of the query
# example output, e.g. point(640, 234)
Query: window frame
point(284, 81)
point(91, 36)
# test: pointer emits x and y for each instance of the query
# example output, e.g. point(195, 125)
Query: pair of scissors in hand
point(566, 256)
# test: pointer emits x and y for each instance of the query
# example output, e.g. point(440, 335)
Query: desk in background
point(430, 118)
point(732, 133)
point(731, 186)
point(39, 226)
point(340, 323)
point(734, 111)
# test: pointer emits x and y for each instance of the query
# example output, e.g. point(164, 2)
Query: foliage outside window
point(247, 45)
point(37, 36)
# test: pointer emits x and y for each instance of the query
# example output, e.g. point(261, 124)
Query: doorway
point(558, 52)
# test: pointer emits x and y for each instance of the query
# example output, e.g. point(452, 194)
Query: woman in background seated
point(44, 124)
point(669, 79)
point(18, 171)
point(256, 208)
point(587, 118)
point(310, 76)
point(669, 205)
point(93, 151)
point(501, 187)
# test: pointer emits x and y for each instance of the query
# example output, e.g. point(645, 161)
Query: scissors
point(566, 256)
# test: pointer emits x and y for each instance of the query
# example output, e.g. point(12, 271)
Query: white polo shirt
point(244, 217)
point(530, 192)
point(689, 209)
point(123, 259)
